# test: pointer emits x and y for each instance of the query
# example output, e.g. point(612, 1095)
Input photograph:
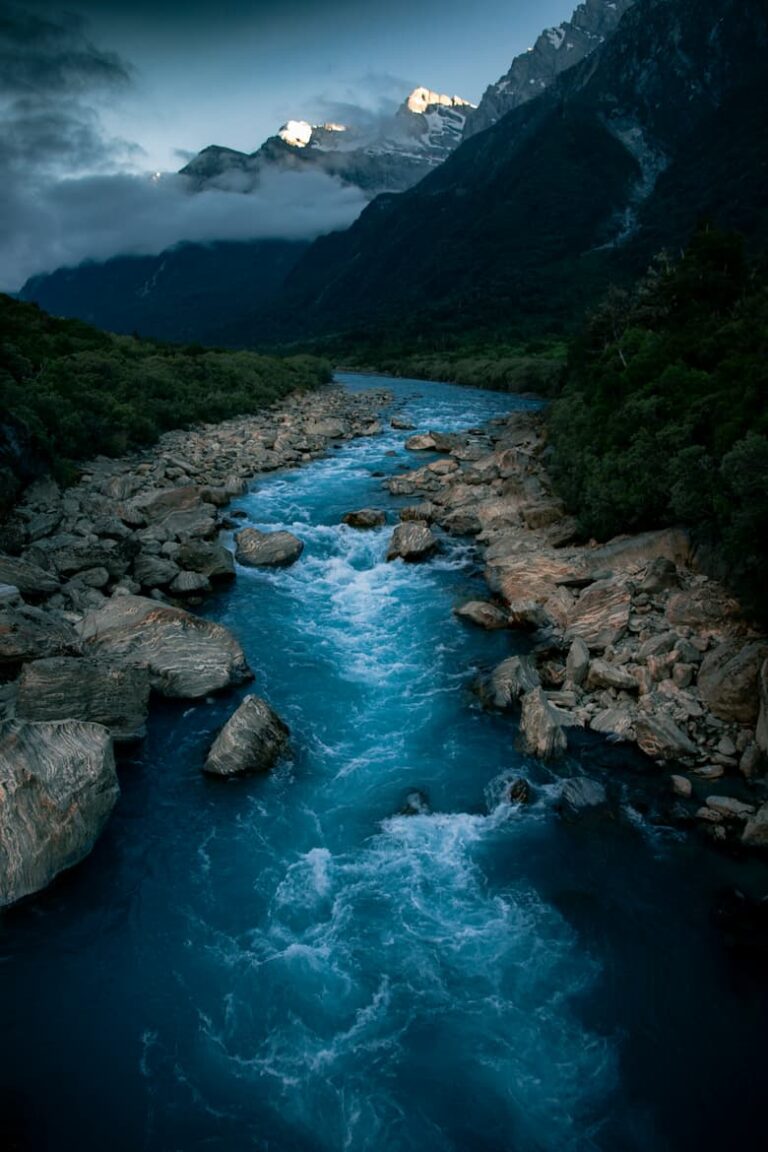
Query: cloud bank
point(67, 193)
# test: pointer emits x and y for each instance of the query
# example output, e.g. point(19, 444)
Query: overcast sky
point(94, 93)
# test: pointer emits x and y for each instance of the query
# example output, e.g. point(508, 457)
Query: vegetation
point(68, 391)
point(663, 417)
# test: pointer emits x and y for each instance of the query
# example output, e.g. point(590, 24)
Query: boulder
point(28, 633)
point(577, 663)
point(755, 834)
point(157, 503)
point(604, 675)
point(30, 579)
point(365, 518)
point(209, 559)
point(510, 680)
point(400, 424)
point(582, 797)
point(267, 549)
point(660, 737)
point(154, 571)
point(600, 616)
point(729, 807)
point(518, 791)
point(483, 614)
point(541, 727)
point(58, 787)
point(416, 803)
point(761, 733)
point(423, 443)
point(660, 575)
point(190, 584)
point(615, 723)
point(250, 741)
point(186, 656)
point(729, 680)
point(412, 541)
point(68, 688)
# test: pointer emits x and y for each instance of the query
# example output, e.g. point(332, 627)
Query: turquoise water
point(291, 965)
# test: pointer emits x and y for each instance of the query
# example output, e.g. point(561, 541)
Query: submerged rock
point(58, 787)
point(365, 518)
point(267, 549)
point(582, 797)
point(483, 614)
point(250, 741)
point(93, 691)
point(416, 804)
point(186, 656)
point(412, 542)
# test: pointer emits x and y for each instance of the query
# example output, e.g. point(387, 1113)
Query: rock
point(250, 741)
point(154, 571)
point(582, 797)
point(28, 633)
point(327, 427)
point(660, 738)
point(365, 518)
point(423, 443)
point(616, 723)
point(751, 761)
point(30, 579)
point(541, 728)
point(755, 834)
point(462, 522)
point(601, 614)
point(761, 732)
point(660, 575)
point(518, 791)
point(208, 559)
point(416, 804)
point(604, 675)
point(190, 584)
point(577, 663)
point(729, 680)
point(681, 786)
point(706, 607)
point(424, 511)
point(187, 657)
point(10, 597)
point(267, 549)
point(401, 425)
point(729, 807)
point(58, 787)
point(412, 542)
point(510, 680)
point(483, 614)
point(66, 687)
point(157, 503)
point(710, 772)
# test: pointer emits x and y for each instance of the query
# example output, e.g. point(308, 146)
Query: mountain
point(622, 154)
point(389, 154)
point(556, 50)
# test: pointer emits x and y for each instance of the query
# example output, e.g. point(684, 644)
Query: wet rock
point(208, 559)
point(416, 804)
point(400, 424)
point(93, 691)
point(30, 579)
point(518, 791)
point(510, 680)
point(755, 834)
point(425, 511)
point(423, 443)
point(483, 614)
point(729, 680)
point(250, 741)
point(412, 542)
point(577, 663)
point(729, 807)
point(681, 786)
point(365, 518)
point(187, 657)
point(57, 789)
point(257, 549)
point(541, 727)
point(662, 739)
point(582, 798)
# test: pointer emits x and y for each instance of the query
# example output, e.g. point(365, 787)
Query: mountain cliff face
point(555, 51)
point(620, 155)
point(389, 157)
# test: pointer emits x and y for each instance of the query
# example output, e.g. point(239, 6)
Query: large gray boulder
point(94, 691)
point(729, 680)
point(483, 614)
point(365, 518)
point(212, 560)
point(510, 680)
point(186, 656)
point(28, 633)
point(661, 738)
point(542, 731)
point(267, 549)
point(412, 542)
point(58, 787)
point(250, 741)
point(30, 579)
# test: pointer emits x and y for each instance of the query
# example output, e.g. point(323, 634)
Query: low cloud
point(97, 217)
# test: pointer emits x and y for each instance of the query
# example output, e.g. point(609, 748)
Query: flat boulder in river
point(412, 542)
point(186, 657)
point(267, 549)
point(250, 741)
point(57, 788)
point(365, 518)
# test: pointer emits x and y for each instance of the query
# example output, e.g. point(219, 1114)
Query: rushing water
point(289, 964)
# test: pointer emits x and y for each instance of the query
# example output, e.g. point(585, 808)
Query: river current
point(291, 964)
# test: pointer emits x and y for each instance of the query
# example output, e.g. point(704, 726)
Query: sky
point(96, 94)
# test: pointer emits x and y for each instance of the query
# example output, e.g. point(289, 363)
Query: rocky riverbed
point(629, 639)
point(96, 583)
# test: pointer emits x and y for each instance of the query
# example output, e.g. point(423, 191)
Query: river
point(290, 964)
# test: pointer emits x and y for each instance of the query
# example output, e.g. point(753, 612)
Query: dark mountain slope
point(621, 155)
